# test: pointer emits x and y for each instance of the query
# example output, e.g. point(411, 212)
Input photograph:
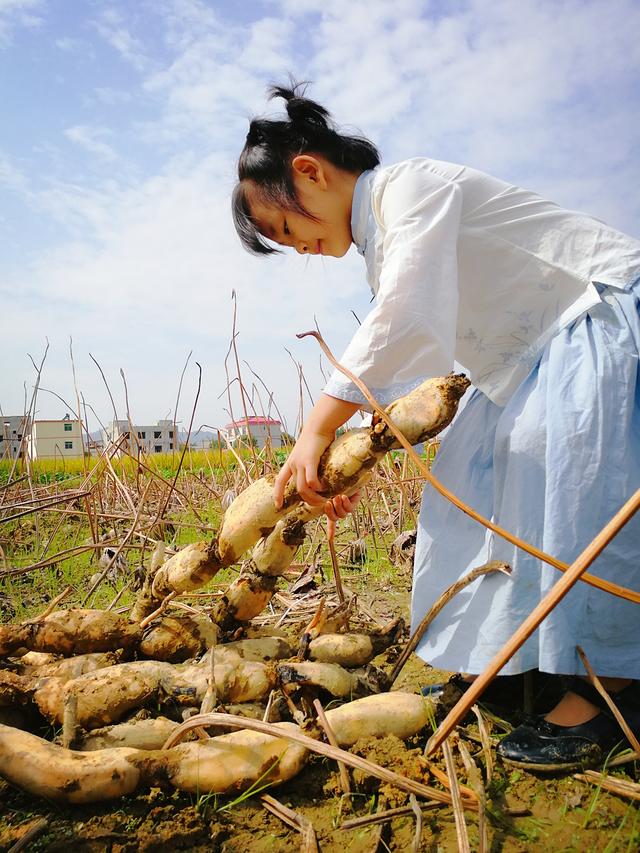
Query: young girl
point(540, 305)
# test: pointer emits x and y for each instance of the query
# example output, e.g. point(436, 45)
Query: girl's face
point(326, 193)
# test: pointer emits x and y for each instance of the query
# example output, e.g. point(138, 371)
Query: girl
point(540, 305)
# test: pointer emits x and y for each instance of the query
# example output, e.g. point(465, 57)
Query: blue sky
point(122, 122)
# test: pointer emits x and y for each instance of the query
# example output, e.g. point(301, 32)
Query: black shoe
point(540, 745)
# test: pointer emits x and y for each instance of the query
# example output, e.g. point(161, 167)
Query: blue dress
point(468, 268)
point(552, 466)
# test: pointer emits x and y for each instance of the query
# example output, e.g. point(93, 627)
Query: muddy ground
point(525, 812)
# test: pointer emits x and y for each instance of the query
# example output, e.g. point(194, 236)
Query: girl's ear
point(309, 168)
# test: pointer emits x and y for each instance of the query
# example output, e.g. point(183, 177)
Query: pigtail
point(301, 111)
point(271, 144)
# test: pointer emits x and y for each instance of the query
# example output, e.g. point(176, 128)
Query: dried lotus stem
point(51, 606)
point(456, 800)
point(159, 611)
point(595, 681)
point(445, 598)
point(326, 726)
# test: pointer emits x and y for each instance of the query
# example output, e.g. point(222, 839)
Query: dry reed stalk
point(623, 758)
point(50, 607)
point(56, 558)
point(28, 417)
point(162, 480)
point(30, 835)
point(158, 611)
point(382, 817)
point(5, 486)
point(607, 586)
point(485, 741)
point(163, 507)
point(119, 595)
point(120, 547)
point(458, 815)
point(53, 502)
point(616, 786)
point(374, 525)
point(595, 682)
point(445, 598)
point(417, 811)
point(309, 841)
point(235, 722)
point(334, 561)
point(443, 778)
point(475, 781)
point(234, 335)
point(322, 719)
point(537, 615)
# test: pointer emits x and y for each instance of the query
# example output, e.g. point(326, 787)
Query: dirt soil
point(525, 812)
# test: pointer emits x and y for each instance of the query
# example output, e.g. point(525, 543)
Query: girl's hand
point(302, 466)
point(340, 507)
point(327, 415)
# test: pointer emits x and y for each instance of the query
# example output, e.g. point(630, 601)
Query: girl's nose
point(301, 247)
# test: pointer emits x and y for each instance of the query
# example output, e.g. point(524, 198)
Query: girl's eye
point(286, 227)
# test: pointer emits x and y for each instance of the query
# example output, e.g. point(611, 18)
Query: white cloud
point(112, 26)
point(11, 176)
point(90, 139)
point(15, 14)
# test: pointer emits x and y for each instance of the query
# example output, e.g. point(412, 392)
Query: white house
point(54, 439)
point(14, 435)
point(156, 438)
point(262, 430)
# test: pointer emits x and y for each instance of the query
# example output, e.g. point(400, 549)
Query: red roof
point(252, 420)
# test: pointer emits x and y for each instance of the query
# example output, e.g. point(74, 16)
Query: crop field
point(89, 536)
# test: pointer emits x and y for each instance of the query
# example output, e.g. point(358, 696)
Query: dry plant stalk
point(445, 598)
point(475, 781)
point(456, 801)
point(595, 681)
point(485, 741)
point(309, 841)
point(381, 817)
point(417, 838)
point(622, 787)
point(326, 727)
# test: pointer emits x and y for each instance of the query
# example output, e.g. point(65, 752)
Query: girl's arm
point(327, 415)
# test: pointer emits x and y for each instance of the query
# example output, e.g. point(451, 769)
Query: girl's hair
point(270, 147)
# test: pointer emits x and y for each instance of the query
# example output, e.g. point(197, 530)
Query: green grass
point(197, 462)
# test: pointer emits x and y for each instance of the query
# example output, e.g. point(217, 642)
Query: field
point(57, 525)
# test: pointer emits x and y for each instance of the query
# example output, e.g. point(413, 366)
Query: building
point(157, 438)
point(56, 439)
point(14, 435)
point(262, 431)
